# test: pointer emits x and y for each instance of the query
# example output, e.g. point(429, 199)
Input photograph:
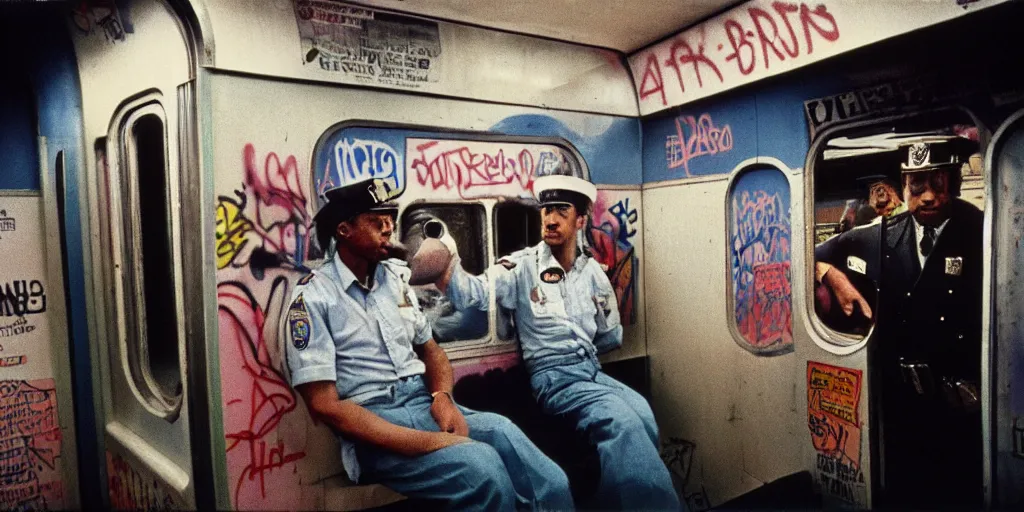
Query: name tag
point(954, 266)
point(856, 264)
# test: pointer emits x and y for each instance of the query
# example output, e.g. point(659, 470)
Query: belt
point(578, 356)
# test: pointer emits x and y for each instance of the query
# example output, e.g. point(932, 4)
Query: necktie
point(928, 241)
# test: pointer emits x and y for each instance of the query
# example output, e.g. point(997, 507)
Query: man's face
point(883, 198)
point(928, 196)
point(368, 234)
point(559, 224)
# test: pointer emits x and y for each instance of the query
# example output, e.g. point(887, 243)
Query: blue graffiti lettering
point(357, 160)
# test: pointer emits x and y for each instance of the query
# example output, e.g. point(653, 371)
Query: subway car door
point(916, 258)
point(1006, 420)
point(47, 461)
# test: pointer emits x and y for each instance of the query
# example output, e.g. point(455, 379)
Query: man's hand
point(358, 423)
point(448, 416)
point(441, 440)
point(846, 293)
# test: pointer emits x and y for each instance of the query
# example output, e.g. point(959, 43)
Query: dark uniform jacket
point(930, 315)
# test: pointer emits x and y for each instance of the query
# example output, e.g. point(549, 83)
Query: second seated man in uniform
point(566, 314)
point(362, 356)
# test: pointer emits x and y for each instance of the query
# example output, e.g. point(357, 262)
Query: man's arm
point(357, 423)
point(440, 382)
point(311, 358)
point(438, 374)
point(439, 370)
point(471, 292)
point(826, 255)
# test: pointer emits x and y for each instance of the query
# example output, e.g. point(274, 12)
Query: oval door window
point(759, 258)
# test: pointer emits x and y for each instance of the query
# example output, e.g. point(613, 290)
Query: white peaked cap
point(544, 188)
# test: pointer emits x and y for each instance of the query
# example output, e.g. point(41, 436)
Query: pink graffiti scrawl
point(696, 137)
point(279, 210)
point(610, 239)
point(30, 444)
point(254, 415)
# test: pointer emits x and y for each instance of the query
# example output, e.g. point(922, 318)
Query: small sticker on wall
point(833, 399)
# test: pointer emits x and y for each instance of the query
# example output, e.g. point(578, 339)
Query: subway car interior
point(807, 215)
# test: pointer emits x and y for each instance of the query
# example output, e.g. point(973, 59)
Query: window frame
point(825, 337)
point(750, 165)
point(125, 225)
point(492, 344)
point(483, 208)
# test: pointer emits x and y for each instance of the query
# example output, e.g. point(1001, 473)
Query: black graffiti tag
point(22, 297)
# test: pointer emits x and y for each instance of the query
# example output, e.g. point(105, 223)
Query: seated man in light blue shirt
point(362, 356)
point(566, 314)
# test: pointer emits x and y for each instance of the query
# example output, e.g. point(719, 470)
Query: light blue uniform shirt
point(558, 322)
point(362, 340)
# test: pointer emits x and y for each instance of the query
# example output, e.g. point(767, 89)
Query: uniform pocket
point(546, 300)
point(408, 315)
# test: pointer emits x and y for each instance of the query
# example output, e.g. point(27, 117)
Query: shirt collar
point(347, 278)
point(920, 229)
point(548, 259)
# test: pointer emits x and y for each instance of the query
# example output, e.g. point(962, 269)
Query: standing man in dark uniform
point(926, 267)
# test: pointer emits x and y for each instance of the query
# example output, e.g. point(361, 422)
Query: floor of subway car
point(793, 492)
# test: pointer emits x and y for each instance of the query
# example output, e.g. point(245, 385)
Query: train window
point(865, 178)
point(152, 344)
point(759, 259)
point(516, 226)
point(465, 223)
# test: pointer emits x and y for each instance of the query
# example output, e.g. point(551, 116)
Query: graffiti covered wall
point(700, 140)
point(30, 444)
point(30, 435)
point(760, 261)
point(614, 244)
point(262, 239)
point(276, 456)
point(762, 38)
point(128, 489)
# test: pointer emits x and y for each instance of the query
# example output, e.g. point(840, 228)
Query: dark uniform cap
point(868, 182)
point(346, 202)
point(935, 153)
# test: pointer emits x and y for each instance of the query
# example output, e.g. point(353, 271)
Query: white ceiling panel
point(624, 25)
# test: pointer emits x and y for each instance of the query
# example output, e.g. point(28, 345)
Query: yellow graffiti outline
point(231, 230)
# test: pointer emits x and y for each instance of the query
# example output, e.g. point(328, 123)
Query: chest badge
point(856, 264)
point(552, 275)
point(954, 266)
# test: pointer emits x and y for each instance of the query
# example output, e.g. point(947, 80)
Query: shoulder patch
point(397, 268)
point(298, 323)
point(507, 264)
point(306, 279)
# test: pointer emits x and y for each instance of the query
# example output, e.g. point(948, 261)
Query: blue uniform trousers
point(620, 424)
point(501, 470)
